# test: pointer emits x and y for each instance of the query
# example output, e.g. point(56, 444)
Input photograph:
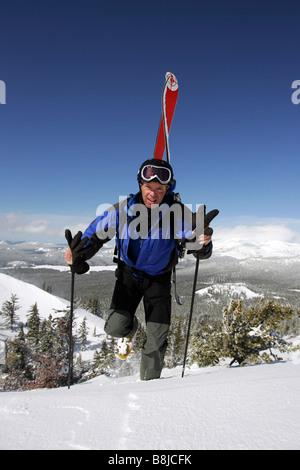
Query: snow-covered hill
point(29, 294)
point(237, 289)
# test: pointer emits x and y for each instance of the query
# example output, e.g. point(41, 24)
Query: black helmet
point(157, 170)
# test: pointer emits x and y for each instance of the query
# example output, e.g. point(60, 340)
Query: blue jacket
point(152, 251)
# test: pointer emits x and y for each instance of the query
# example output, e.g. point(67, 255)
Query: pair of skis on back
point(169, 100)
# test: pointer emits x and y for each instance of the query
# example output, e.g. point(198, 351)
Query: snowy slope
point(254, 407)
point(47, 304)
point(28, 294)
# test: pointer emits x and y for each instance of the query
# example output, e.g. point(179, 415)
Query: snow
point(253, 407)
point(67, 268)
point(230, 288)
point(61, 268)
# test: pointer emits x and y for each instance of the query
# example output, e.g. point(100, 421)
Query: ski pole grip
point(68, 236)
point(210, 216)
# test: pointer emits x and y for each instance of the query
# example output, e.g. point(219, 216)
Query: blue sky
point(83, 88)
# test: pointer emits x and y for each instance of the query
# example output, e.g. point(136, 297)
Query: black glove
point(209, 217)
point(205, 251)
point(92, 247)
point(79, 266)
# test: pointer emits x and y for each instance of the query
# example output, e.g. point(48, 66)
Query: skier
point(146, 258)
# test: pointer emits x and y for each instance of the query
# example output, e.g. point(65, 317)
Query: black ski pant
point(155, 291)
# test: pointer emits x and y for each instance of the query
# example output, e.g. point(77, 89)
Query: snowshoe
point(125, 345)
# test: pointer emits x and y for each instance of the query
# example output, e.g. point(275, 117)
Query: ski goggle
point(151, 172)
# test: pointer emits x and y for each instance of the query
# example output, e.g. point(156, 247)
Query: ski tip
point(172, 81)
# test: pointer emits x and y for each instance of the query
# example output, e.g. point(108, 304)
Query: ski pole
point(208, 231)
point(70, 372)
point(191, 312)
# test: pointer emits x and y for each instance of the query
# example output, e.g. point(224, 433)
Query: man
point(147, 248)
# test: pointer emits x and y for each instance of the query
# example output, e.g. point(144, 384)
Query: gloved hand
point(76, 245)
point(207, 231)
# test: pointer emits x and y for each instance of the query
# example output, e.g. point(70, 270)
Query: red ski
point(169, 99)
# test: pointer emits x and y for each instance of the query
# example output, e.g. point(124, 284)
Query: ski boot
point(125, 345)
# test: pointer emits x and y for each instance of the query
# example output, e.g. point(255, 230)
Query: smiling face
point(153, 193)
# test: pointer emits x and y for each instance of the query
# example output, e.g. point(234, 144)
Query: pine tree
point(245, 336)
point(18, 368)
point(236, 328)
point(61, 335)
point(9, 309)
point(79, 362)
point(82, 334)
point(47, 336)
point(95, 307)
point(33, 326)
point(98, 359)
point(251, 336)
point(100, 363)
point(206, 343)
point(47, 288)
point(21, 333)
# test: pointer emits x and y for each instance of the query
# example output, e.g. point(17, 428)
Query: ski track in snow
point(129, 419)
point(255, 407)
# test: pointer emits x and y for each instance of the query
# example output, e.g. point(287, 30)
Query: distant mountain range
point(269, 269)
